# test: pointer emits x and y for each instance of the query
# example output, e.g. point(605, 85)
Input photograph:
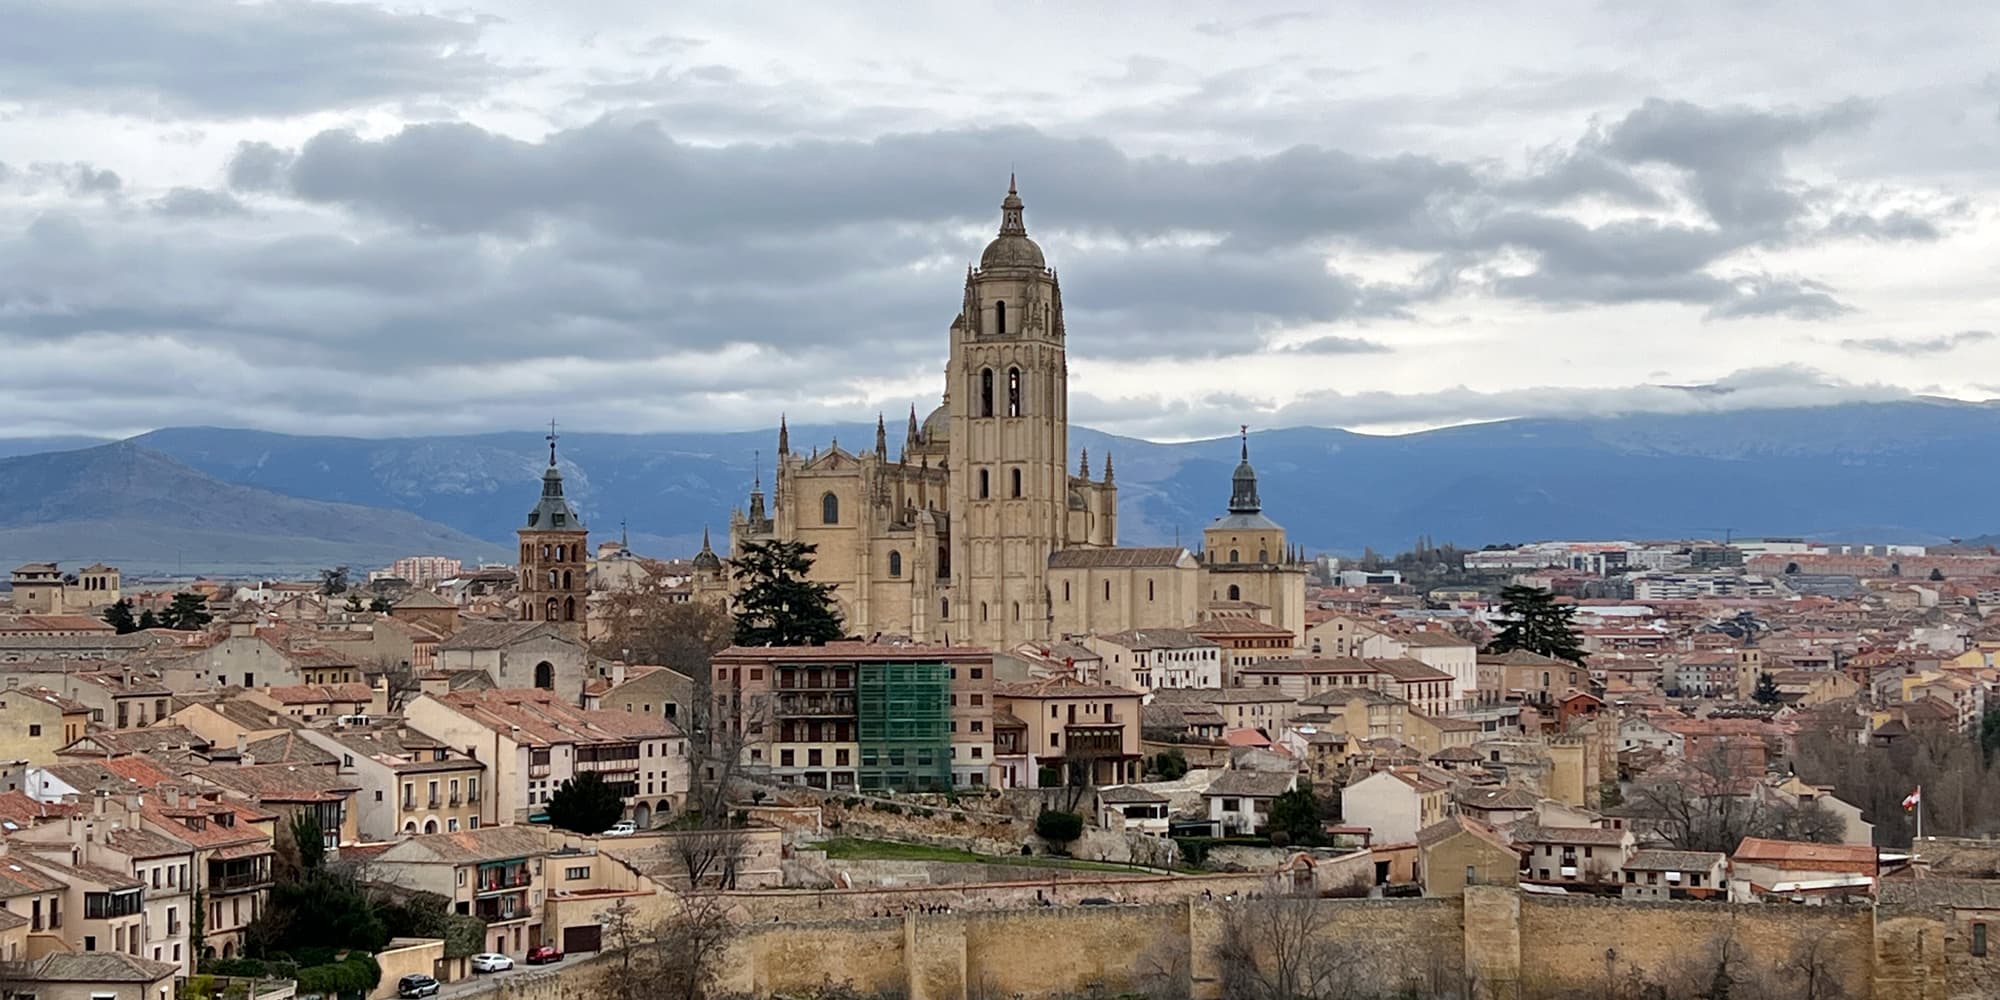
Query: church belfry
point(1009, 441)
point(555, 576)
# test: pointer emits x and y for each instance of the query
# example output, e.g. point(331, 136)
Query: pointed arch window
point(1013, 392)
point(1015, 474)
point(1233, 556)
point(554, 611)
point(1000, 316)
point(982, 610)
point(984, 484)
point(895, 564)
point(1235, 592)
point(986, 392)
point(829, 509)
point(944, 607)
point(569, 609)
point(1263, 555)
point(1017, 610)
point(566, 585)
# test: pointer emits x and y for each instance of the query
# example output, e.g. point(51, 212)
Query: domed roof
point(937, 426)
point(1012, 248)
point(706, 560)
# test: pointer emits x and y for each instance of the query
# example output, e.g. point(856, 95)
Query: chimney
point(97, 803)
point(171, 794)
point(617, 672)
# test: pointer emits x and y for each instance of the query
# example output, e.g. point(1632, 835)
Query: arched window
point(1235, 592)
point(1013, 392)
point(986, 392)
point(1107, 590)
point(944, 607)
point(410, 826)
point(982, 610)
point(566, 580)
point(559, 553)
point(984, 482)
point(569, 609)
point(1000, 316)
point(1233, 556)
point(554, 577)
point(430, 826)
point(829, 509)
point(545, 675)
point(1065, 591)
point(944, 561)
point(1017, 610)
point(895, 563)
point(1263, 555)
point(545, 551)
point(1015, 474)
point(554, 611)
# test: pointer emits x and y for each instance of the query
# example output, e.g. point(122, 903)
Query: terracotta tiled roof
point(856, 652)
point(318, 694)
point(1795, 854)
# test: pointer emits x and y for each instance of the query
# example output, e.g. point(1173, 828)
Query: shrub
point(1058, 827)
point(357, 973)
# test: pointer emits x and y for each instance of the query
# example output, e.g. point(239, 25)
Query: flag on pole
point(1914, 799)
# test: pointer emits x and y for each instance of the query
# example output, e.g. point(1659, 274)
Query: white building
point(1155, 658)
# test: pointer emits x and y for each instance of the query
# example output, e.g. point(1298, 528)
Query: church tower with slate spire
point(555, 577)
point(1247, 566)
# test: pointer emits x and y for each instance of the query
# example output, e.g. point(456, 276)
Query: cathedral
point(972, 528)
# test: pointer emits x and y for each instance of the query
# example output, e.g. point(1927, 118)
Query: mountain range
point(1909, 471)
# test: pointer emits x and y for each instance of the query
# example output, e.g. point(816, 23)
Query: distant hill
point(147, 513)
point(1915, 471)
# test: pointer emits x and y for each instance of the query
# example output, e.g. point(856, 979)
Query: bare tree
point(1281, 949)
point(712, 845)
point(1708, 805)
point(1161, 972)
point(1810, 972)
point(679, 957)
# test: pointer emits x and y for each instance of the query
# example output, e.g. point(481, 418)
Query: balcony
point(504, 908)
point(608, 765)
point(472, 796)
point(815, 705)
point(538, 770)
point(434, 802)
point(238, 881)
point(454, 800)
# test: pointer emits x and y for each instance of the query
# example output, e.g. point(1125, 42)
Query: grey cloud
point(1262, 22)
point(259, 166)
point(1734, 157)
point(197, 203)
point(1900, 224)
point(233, 59)
point(1940, 344)
point(1764, 295)
point(1338, 345)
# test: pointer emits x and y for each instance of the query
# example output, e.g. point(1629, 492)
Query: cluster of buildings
point(1001, 639)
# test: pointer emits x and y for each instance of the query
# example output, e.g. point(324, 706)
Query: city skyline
point(371, 221)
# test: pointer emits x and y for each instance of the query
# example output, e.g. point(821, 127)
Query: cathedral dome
point(937, 426)
point(1012, 248)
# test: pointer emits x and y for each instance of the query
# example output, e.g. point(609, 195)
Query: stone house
point(1240, 801)
point(1656, 873)
point(1575, 855)
point(1459, 851)
point(1396, 804)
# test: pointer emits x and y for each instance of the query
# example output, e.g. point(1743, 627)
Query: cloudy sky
point(344, 218)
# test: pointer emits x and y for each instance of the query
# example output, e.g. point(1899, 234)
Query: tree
point(1989, 734)
point(380, 605)
point(1937, 574)
point(354, 601)
point(585, 804)
point(1284, 948)
point(198, 925)
point(308, 841)
point(677, 957)
point(187, 613)
point(1058, 828)
point(1767, 689)
point(1536, 623)
point(1296, 815)
point(333, 582)
point(646, 626)
point(119, 617)
point(776, 605)
point(1170, 765)
point(148, 620)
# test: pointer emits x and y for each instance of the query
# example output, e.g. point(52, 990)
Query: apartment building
point(531, 741)
point(1150, 659)
point(407, 781)
point(860, 715)
point(1070, 732)
point(35, 722)
point(495, 873)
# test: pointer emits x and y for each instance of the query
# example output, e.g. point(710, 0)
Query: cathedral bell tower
point(1008, 385)
point(555, 574)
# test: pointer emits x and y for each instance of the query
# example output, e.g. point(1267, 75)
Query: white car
point(491, 962)
point(622, 828)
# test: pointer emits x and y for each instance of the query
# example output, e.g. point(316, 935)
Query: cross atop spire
point(1244, 429)
point(552, 443)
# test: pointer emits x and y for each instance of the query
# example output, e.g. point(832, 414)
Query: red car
point(545, 954)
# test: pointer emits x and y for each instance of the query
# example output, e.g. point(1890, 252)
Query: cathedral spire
point(552, 444)
point(784, 436)
point(1011, 222)
point(1083, 464)
point(1107, 465)
point(1243, 485)
point(881, 437)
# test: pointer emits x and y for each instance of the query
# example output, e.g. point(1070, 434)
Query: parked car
point(622, 828)
point(491, 962)
point(544, 954)
point(416, 985)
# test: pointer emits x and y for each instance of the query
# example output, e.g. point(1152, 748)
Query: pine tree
point(1767, 689)
point(777, 605)
point(1536, 623)
point(148, 620)
point(585, 804)
point(119, 617)
point(188, 612)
